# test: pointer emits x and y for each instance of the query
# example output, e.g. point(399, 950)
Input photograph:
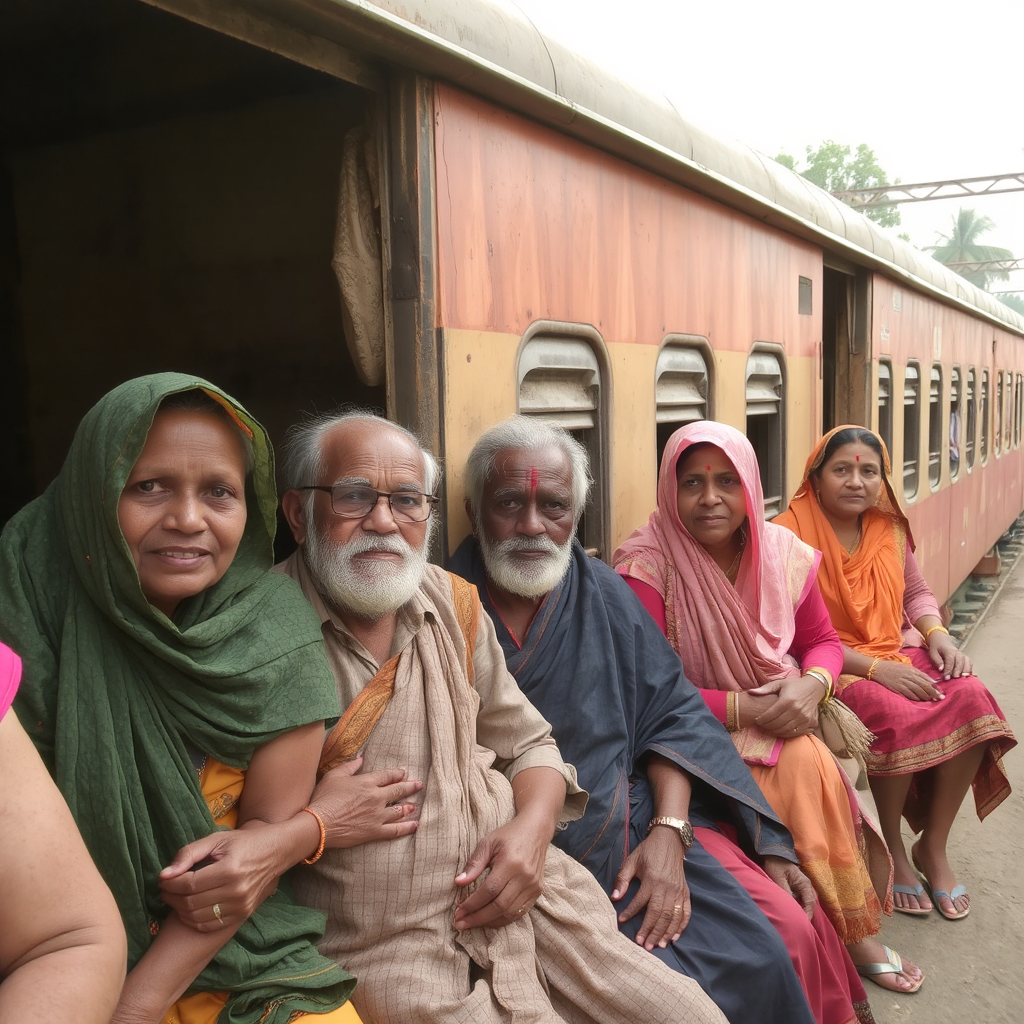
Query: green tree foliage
point(835, 168)
point(961, 246)
point(1015, 302)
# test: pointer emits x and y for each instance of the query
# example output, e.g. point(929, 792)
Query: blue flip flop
point(941, 894)
point(911, 890)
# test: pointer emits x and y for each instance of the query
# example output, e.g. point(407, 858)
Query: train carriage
point(429, 207)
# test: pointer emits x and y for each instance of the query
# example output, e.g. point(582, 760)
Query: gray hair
point(525, 432)
point(303, 460)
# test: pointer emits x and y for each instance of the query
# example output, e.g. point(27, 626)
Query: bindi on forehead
point(708, 468)
point(534, 479)
point(856, 458)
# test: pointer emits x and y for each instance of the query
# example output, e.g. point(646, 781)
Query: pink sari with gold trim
point(738, 638)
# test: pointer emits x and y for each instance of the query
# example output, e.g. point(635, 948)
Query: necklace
point(733, 571)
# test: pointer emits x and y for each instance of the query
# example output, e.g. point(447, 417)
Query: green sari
point(115, 694)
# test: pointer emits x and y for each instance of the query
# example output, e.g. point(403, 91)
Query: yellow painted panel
point(479, 391)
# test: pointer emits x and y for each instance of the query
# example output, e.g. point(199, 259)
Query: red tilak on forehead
point(857, 457)
point(708, 468)
point(534, 477)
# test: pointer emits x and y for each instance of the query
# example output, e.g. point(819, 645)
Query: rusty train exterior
point(510, 229)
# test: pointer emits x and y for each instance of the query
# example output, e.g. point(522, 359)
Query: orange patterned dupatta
point(864, 590)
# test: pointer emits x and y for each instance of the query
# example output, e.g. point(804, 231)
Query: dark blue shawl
point(597, 667)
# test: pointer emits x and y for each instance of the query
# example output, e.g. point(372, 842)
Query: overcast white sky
point(936, 90)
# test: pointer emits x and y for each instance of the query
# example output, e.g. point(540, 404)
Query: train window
point(765, 429)
point(681, 389)
point(935, 427)
point(999, 412)
point(911, 428)
point(983, 416)
point(971, 416)
point(560, 382)
point(1018, 408)
point(1007, 411)
point(956, 422)
point(885, 402)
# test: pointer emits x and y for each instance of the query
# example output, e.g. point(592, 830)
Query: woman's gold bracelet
point(870, 672)
point(732, 711)
point(825, 681)
point(928, 632)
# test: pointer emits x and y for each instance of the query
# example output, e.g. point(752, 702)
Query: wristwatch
point(683, 828)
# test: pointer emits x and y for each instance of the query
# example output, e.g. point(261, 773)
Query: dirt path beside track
point(975, 967)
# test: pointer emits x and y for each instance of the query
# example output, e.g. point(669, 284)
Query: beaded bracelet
point(871, 670)
point(928, 632)
point(323, 837)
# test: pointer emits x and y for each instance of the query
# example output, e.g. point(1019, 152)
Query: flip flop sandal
point(936, 894)
point(894, 965)
point(911, 890)
point(941, 894)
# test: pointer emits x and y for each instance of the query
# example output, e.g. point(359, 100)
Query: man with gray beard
point(471, 916)
point(671, 802)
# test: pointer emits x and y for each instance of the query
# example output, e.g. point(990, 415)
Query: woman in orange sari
point(736, 597)
point(938, 730)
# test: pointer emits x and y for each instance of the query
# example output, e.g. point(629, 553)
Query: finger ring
point(678, 906)
point(523, 909)
point(216, 912)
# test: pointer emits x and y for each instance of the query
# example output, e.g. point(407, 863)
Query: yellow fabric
point(222, 789)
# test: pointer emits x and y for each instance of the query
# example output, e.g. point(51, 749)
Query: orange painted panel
point(533, 225)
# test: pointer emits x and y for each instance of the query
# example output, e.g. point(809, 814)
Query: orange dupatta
point(863, 591)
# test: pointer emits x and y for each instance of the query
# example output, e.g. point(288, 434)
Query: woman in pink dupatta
point(742, 608)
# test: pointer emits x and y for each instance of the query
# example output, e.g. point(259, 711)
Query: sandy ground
point(974, 968)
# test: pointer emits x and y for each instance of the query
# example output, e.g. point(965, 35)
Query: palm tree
point(961, 246)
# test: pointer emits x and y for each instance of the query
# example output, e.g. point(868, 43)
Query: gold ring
point(216, 911)
point(522, 910)
point(678, 906)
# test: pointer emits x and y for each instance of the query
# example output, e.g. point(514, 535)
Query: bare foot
point(871, 951)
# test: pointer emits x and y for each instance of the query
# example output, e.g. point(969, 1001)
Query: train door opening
point(845, 346)
point(174, 198)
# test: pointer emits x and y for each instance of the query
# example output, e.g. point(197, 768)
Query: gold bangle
point(323, 837)
point(825, 681)
point(941, 629)
point(870, 671)
point(732, 711)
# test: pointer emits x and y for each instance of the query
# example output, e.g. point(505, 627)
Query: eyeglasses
point(358, 502)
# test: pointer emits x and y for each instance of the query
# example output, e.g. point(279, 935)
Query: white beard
point(369, 589)
point(527, 579)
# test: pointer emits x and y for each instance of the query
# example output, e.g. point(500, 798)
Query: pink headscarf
point(10, 676)
point(729, 638)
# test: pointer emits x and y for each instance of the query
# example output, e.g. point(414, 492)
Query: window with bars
point(911, 428)
point(560, 382)
point(971, 418)
point(885, 403)
point(682, 388)
point(999, 413)
point(956, 422)
point(983, 415)
point(935, 427)
point(765, 392)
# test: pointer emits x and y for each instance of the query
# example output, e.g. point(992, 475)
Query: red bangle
point(323, 837)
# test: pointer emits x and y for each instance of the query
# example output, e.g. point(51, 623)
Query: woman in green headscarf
point(174, 686)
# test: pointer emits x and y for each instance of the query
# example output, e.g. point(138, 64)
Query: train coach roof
point(490, 47)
